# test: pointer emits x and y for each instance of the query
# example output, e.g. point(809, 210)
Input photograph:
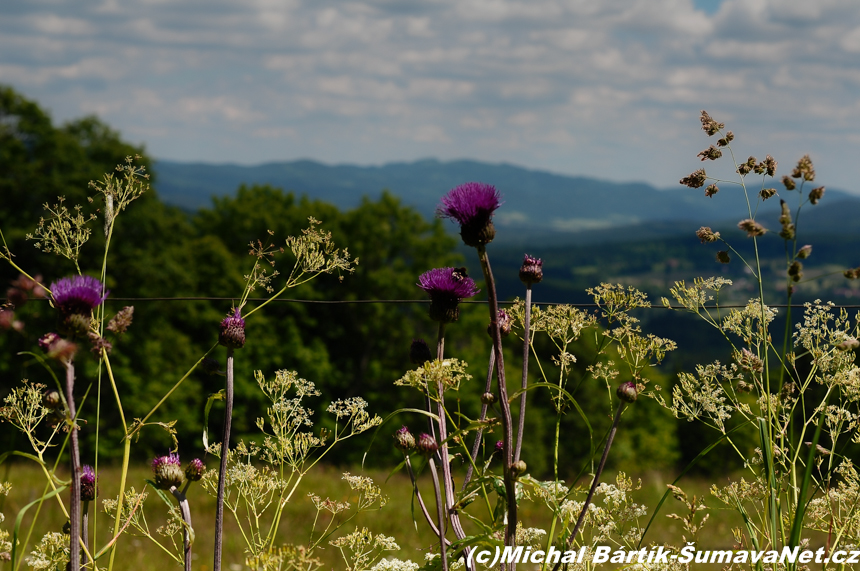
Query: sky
point(604, 88)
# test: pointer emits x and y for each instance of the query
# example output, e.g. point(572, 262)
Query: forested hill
point(539, 206)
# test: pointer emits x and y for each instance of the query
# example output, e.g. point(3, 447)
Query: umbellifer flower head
point(446, 287)
point(404, 440)
point(472, 205)
point(89, 489)
point(232, 333)
point(194, 470)
point(531, 272)
point(77, 295)
point(167, 471)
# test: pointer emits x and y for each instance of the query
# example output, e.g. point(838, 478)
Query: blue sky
point(610, 89)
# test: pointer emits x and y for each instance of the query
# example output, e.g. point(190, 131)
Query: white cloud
point(610, 88)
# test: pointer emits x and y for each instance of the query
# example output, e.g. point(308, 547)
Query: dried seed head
point(804, 252)
point(788, 183)
point(815, 194)
point(744, 387)
point(695, 180)
point(747, 167)
point(710, 126)
point(531, 272)
point(795, 271)
point(804, 169)
point(724, 142)
point(122, 320)
point(404, 440)
point(723, 257)
point(426, 444)
point(232, 333)
point(852, 274)
point(419, 352)
point(627, 391)
point(770, 165)
point(711, 190)
point(710, 154)
point(766, 193)
point(751, 227)
point(749, 361)
point(705, 234)
point(787, 231)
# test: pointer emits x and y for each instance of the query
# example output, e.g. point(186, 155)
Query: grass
point(395, 519)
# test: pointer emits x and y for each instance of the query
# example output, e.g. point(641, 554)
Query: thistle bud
point(500, 445)
point(627, 391)
point(167, 471)
point(426, 444)
point(89, 487)
point(47, 340)
point(232, 333)
point(194, 470)
point(419, 352)
point(51, 400)
point(518, 467)
point(849, 344)
point(488, 398)
point(404, 440)
point(531, 272)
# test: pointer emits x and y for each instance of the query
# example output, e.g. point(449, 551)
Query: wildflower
point(711, 153)
point(78, 295)
point(194, 470)
point(472, 205)
point(167, 471)
point(705, 234)
point(505, 324)
point(446, 290)
point(531, 272)
point(745, 168)
point(89, 487)
point(769, 165)
point(751, 227)
point(749, 361)
point(804, 169)
point(766, 193)
point(724, 142)
point(627, 391)
point(710, 126)
point(711, 190)
point(56, 347)
point(804, 252)
point(426, 444)
point(695, 180)
point(419, 352)
point(232, 333)
point(121, 321)
point(723, 257)
point(815, 195)
point(404, 440)
point(500, 445)
point(788, 183)
point(47, 340)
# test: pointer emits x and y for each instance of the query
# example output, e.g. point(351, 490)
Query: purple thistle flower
point(531, 272)
point(89, 490)
point(167, 471)
point(232, 332)
point(500, 445)
point(472, 205)
point(78, 295)
point(194, 470)
point(446, 287)
point(426, 444)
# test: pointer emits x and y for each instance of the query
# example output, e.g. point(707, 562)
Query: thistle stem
point(222, 473)
point(421, 503)
point(185, 511)
point(521, 420)
point(75, 501)
point(85, 524)
point(510, 484)
point(440, 513)
point(596, 479)
point(479, 434)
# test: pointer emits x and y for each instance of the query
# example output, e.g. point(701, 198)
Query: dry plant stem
point(440, 513)
point(421, 503)
point(507, 451)
point(75, 488)
point(444, 460)
point(185, 511)
point(596, 480)
point(222, 473)
point(479, 434)
point(521, 420)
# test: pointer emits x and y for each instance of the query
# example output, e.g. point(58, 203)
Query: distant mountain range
point(538, 205)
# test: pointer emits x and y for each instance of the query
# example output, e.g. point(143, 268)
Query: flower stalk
point(222, 472)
